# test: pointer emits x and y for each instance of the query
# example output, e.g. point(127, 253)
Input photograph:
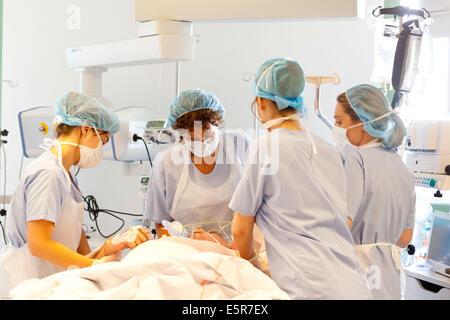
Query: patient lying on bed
point(216, 237)
point(166, 268)
point(219, 234)
point(200, 234)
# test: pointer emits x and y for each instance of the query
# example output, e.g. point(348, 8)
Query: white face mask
point(340, 134)
point(340, 137)
point(89, 157)
point(202, 149)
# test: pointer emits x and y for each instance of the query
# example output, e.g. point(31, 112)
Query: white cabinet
point(426, 285)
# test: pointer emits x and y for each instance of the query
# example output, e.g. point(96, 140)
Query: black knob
point(447, 169)
point(4, 132)
point(411, 249)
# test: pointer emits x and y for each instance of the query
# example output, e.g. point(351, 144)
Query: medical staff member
point(380, 189)
point(293, 186)
point(44, 226)
point(193, 181)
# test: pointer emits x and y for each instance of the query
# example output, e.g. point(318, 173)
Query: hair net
point(282, 81)
point(77, 109)
point(369, 103)
point(193, 100)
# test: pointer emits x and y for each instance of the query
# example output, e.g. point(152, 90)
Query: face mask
point(206, 148)
point(89, 157)
point(340, 137)
point(277, 121)
point(340, 134)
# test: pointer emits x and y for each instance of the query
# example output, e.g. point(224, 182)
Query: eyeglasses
point(208, 135)
point(103, 134)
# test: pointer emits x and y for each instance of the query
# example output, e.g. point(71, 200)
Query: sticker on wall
point(73, 17)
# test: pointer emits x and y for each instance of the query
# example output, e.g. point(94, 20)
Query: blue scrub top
point(166, 174)
point(39, 195)
point(381, 195)
point(299, 201)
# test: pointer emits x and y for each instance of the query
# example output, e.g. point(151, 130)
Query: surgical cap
point(370, 103)
point(282, 81)
point(193, 100)
point(77, 109)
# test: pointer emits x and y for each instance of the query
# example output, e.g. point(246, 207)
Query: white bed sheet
point(168, 268)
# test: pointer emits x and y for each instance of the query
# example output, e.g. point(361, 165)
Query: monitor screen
point(439, 249)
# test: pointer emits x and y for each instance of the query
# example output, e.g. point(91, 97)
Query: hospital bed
point(170, 268)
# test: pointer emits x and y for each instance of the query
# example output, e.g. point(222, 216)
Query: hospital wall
point(36, 34)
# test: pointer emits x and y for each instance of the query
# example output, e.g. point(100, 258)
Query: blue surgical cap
point(282, 81)
point(370, 103)
point(77, 109)
point(193, 100)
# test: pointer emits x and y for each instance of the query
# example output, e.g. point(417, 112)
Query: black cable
point(93, 210)
point(123, 213)
point(136, 138)
point(78, 171)
point(148, 154)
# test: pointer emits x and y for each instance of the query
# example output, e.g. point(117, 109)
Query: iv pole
point(317, 81)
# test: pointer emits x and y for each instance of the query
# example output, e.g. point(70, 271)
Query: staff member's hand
point(115, 257)
point(128, 239)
